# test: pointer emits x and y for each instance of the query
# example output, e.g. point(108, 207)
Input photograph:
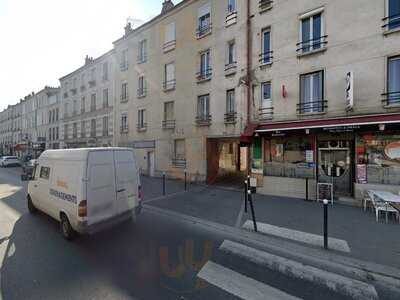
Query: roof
point(77, 154)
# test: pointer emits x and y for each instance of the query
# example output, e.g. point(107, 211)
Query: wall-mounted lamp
point(381, 127)
point(307, 131)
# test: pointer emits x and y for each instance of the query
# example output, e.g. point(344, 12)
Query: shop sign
point(309, 156)
point(325, 191)
point(362, 173)
point(349, 90)
point(349, 128)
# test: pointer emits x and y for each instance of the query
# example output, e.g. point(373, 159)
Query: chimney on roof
point(128, 28)
point(166, 6)
point(88, 60)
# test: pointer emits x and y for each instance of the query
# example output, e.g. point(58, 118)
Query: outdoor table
point(388, 198)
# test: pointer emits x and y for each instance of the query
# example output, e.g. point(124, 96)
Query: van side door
point(100, 186)
point(43, 187)
point(126, 180)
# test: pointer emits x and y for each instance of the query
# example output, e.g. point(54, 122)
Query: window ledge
point(203, 35)
point(169, 48)
point(232, 122)
point(392, 106)
point(308, 114)
point(390, 31)
point(266, 65)
point(316, 51)
point(141, 96)
point(169, 89)
point(203, 80)
point(264, 10)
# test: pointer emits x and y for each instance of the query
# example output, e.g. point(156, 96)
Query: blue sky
point(42, 40)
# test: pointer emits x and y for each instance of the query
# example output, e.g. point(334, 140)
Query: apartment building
point(326, 102)
point(180, 89)
point(87, 104)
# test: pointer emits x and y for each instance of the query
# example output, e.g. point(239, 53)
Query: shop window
point(289, 157)
point(378, 159)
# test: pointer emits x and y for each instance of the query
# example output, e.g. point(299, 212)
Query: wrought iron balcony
point(142, 58)
point(203, 120)
point(141, 92)
point(179, 162)
point(230, 117)
point(391, 98)
point(204, 75)
point(317, 106)
point(169, 85)
point(312, 45)
point(123, 66)
point(169, 45)
point(230, 68)
point(124, 98)
point(124, 129)
point(265, 113)
point(264, 5)
point(391, 22)
point(141, 127)
point(266, 57)
point(203, 30)
point(168, 124)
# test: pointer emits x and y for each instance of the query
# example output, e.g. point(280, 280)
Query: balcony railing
point(230, 18)
point(230, 68)
point(230, 117)
point(169, 85)
point(265, 113)
point(92, 83)
point(264, 5)
point(141, 92)
point(142, 58)
point(204, 75)
point(124, 66)
point(312, 107)
point(203, 120)
point(141, 126)
point(311, 45)
point(203, 30)
point(124, 98)
point(391, 98)
point(266, 57)
point(168, 124)
point(391, 22)
point(170, 45)
point(179, 162)
point(124, 129)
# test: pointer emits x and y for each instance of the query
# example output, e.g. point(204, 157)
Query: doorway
point(150, 163)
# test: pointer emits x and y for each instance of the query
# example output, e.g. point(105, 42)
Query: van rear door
point(126, 180)
point(100, 186)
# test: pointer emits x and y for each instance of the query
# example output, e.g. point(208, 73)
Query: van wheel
point(32, 209)
point(66, 229)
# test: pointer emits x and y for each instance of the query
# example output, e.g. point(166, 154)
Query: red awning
point(320, 123)
point(20, 147)
point(247, 135)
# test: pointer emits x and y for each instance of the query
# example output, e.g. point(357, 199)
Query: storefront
point(352, 155)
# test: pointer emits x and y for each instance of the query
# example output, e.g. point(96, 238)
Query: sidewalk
point(368, 240)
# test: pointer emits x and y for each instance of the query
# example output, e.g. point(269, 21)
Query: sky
point(42, 40)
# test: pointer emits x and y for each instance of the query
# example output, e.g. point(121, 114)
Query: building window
point(205, 66)
point(65, 131)
point(392, 21)
point(169, 77)
point(230, 115)
point(92, 81)
point(141, 119)
point(142, 57)
point(83, 129)
point(204, 20)
point(75, 130)
point(105, 98)
point(50, 137)
point(312, 93)
point(124, 123)
point(266, 109)
point(311, 33)
point(105, 126)
point(179, 155)
point(231, 6)
point(57, 114)
point(75, 108)
point(83, 105)
point(57, 136)
point(393, 82)
point(83, 82)
point(65, 110)
point(105, 71)
point(231, 55)
point(266, 53)
point(124, 60)
point(124, 92)
point(203, 109)
point(44, 172)
point(169, 115)
point(93, 128)
point(170, 39)
point(93, 102)
point(141, 86)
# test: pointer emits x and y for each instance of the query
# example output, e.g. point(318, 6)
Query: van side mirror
point(26, 177)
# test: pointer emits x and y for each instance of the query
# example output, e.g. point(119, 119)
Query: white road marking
point(340, 284)
point(240, 285)
point(299, 236)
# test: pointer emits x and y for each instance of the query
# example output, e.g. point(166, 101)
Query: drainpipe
point(249, 64)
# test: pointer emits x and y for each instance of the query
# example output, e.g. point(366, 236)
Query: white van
point(85, 189)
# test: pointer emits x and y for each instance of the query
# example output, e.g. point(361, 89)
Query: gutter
point(249, 62)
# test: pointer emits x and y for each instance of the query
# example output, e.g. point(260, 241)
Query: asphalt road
point(155, 258)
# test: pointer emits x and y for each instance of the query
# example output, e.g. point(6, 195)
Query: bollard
point(325, 223)
point(163, 187)
point(306, 189)
point(185, 181)
point(245, 196)
point(252, 210)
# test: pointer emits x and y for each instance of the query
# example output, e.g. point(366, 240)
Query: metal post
point(325, 223)
point(163, 188)
point(306, 189)
point(185, 181)
point(245, 196)
point(252, 210)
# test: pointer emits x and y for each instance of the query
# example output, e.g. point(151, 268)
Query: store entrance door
point(334, 166)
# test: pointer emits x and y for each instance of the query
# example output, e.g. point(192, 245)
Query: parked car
point(27, 167)
point(9, 161)
point(85, 189)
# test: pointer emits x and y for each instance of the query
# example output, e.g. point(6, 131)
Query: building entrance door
point(334, 166)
